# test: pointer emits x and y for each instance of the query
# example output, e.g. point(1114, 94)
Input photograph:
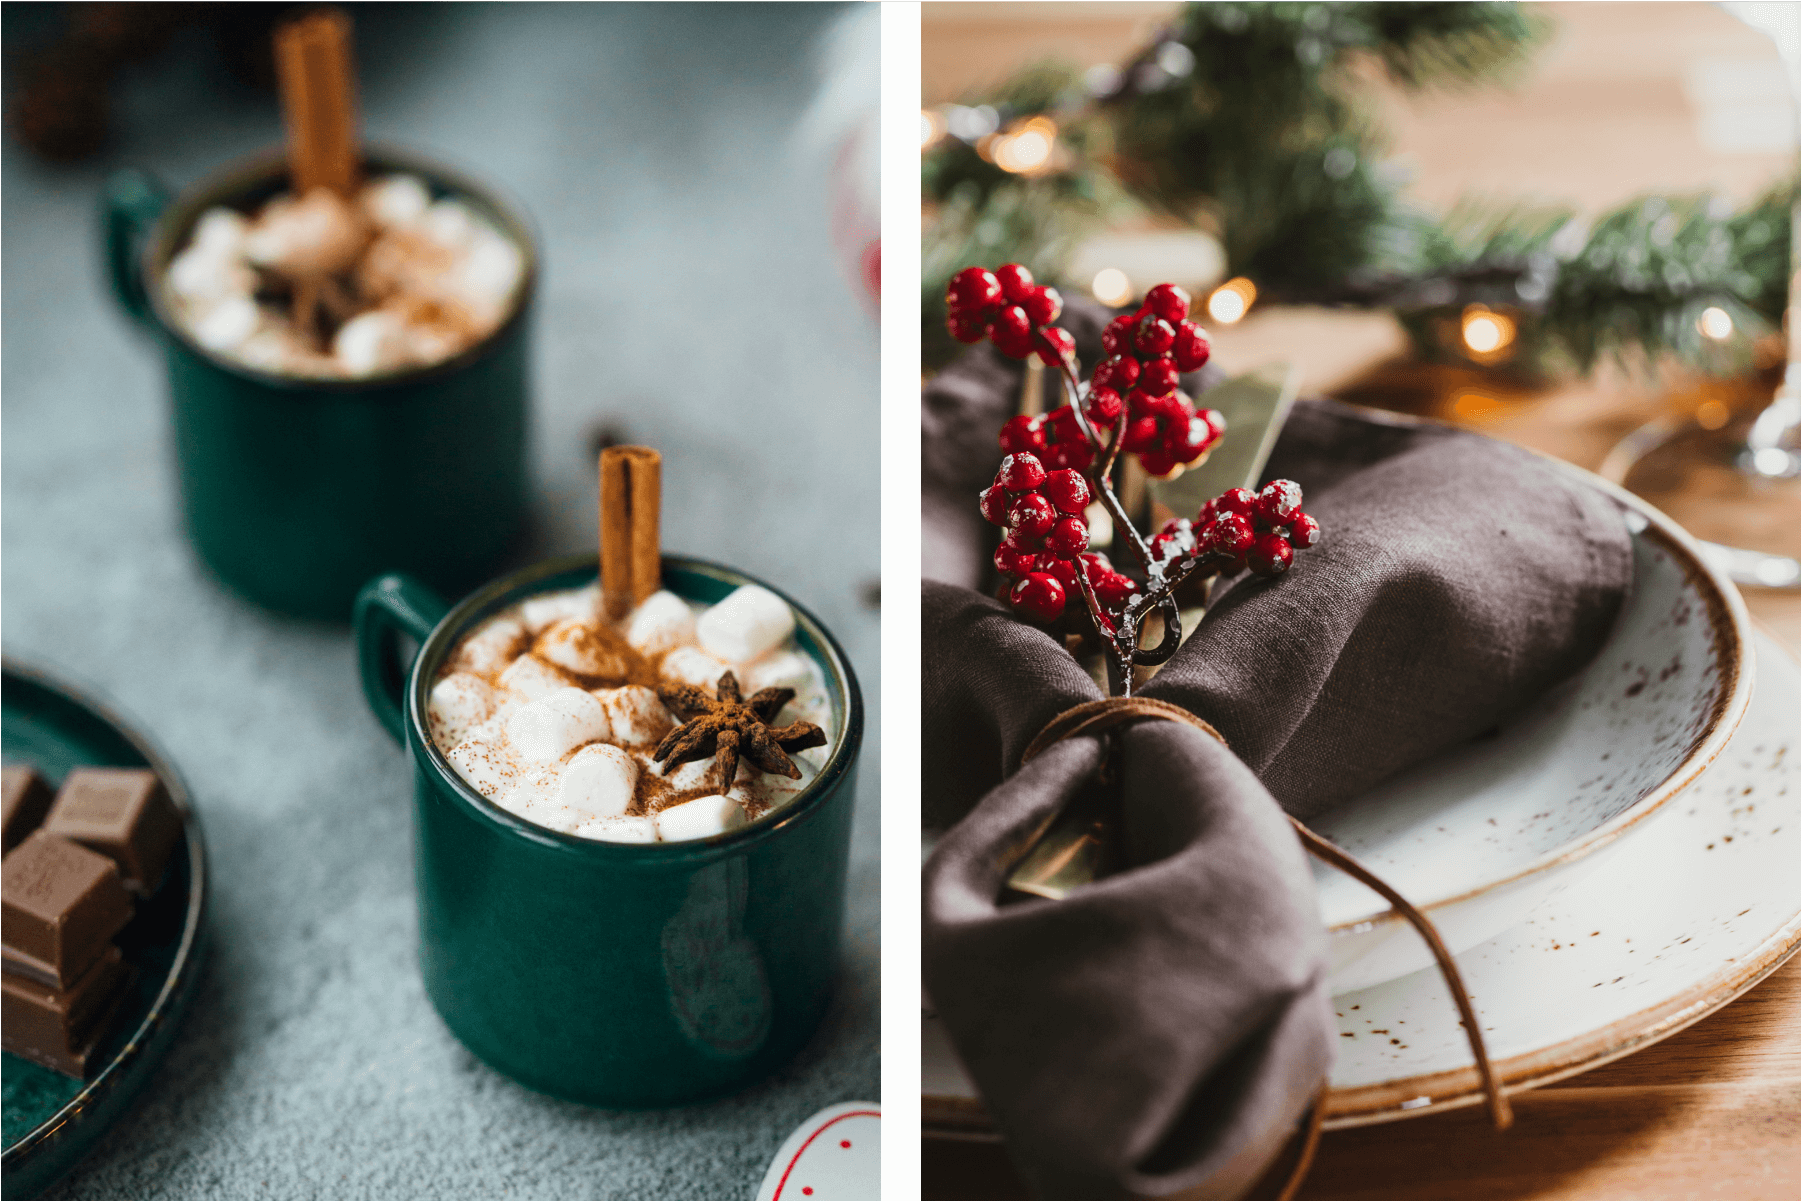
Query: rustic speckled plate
point(1691, 913)
point(50, 1121)
point(1483, 835)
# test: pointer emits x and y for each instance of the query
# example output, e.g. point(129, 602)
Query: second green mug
point(294, 490)
point(615, 974)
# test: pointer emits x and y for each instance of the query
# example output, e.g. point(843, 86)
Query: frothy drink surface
point(553, 713)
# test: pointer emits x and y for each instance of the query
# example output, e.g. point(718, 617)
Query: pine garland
point(1247, 119)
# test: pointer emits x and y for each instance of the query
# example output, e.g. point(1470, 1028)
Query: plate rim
point(945, 1116)
point(48, 1133)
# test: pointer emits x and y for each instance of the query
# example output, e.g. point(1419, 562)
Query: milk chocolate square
point(59, 1027)
point(124, 814)
point(24, 799)
point(60, 904)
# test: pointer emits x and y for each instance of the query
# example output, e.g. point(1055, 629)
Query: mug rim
point(527, 581)
point(224, 185)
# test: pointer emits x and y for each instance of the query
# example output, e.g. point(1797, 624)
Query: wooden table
point(1714, 1111)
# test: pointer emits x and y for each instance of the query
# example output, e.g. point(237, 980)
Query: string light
point(1486, 333)
point(931, 128)
point(1715, 323)
point(1027, 147)
point(1232, 300)
point(1111, 287)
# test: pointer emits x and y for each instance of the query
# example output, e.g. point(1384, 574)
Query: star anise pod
point(729, 726)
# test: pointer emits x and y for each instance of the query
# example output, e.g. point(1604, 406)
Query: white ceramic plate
point(1690, 913)
point(1482, 835)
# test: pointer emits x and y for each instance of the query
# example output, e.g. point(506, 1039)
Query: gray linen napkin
point(1161, 1030)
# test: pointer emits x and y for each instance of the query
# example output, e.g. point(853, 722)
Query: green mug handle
point(131, 204)
point(386, 608)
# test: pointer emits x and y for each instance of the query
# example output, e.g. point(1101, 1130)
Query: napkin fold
point(1162, 1030)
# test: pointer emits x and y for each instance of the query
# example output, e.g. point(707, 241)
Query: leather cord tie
point(1096, 717)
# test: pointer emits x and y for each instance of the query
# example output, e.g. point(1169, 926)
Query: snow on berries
point(1241, 529)
point(1011, 310)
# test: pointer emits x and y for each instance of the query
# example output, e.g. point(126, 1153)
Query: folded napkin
point(1162, 1029)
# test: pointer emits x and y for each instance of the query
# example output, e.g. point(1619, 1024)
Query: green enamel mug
point(613, 974)
point(295, 491)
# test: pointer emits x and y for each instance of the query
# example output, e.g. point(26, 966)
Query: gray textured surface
point(675, 159)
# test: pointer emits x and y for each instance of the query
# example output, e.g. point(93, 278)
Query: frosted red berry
point(1104, 406)
point(1158, 376)
point(1067, 490)
point(1054, 346)
point(1061, 570)
point(1022, 435)
point(1278, 501)
point(1044, 305)
point(1039, 596)
point(1113, 589)
point(1011, 332)
point(1141, 434)
point(1015, 281)
point(1011, 561)
point(1216, 421)
point(1020, 472)
point(1157, 463)
point(1153, 335)
point(1168, 302)
point(1119, 373)
point(967, 326)
point(1067, 538)
point(1238, 500)
point(1190, 438)
point(1227, 534)
point(1270, 554)
point(994, 504)
point(1191, 349)
point(1303, 531)
point(1032, 515)
point(1077, 455)
point(1118, 337)
point(973, 288)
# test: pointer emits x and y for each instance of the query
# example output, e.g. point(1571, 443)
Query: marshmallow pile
point(549, 711)
point(317, 286)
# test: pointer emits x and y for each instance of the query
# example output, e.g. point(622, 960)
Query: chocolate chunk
point(24, 799)
point(58, 1028)
point(60, 904)
point(124, 814)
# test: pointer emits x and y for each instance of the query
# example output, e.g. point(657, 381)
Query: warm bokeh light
point(1715, 323)
point(1711, 414)
point(1111, 287)
point(1026, 148)
point(1232, 300)
point(931, 128)
point(1472, 405)
point(1486, 332)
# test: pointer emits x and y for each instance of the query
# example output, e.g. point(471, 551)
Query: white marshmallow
point(663, 622)
point(619, 829)
point(203, 276)
point(220, 231)
point(541, 611)
point(635, 714)
point(691, 665)
point(702, 817)
point(490, 648)
point(489, 769)
point(783, 669)
point(533, 797)
point(371, 342)
point(227, 324)
point(690, 775)
point(459, 702)
point(319, 234)
point(488, 274)
point(599, 781)
point(449, 223)
point(533, 678)
point(548, 729)
point(576, 646)
point(746, 624)
point(395, 199)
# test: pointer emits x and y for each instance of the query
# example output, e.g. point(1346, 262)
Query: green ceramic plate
point(49, 1121)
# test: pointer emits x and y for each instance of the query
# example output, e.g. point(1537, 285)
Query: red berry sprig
point(1045, 548)
point(1147, 351)
point(1011, 310)
point(1239, 529)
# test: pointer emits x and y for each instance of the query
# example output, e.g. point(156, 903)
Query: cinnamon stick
point(318, 95)
point(631, 550)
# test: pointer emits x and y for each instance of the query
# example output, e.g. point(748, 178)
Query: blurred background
point(1566, 225)
point(702, 179)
